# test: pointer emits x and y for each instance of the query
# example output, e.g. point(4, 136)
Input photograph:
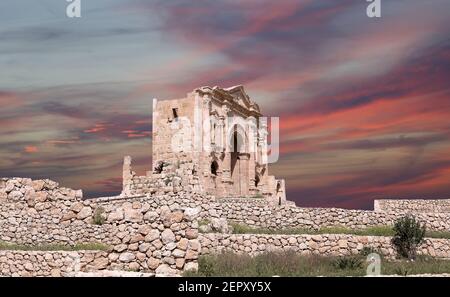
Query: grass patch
point(53, 247)
point(369, 231)
point(437, 234)
point(257, 196)
point(203, 222)
point(292, 264)
point(99, 218)
point(422, 265)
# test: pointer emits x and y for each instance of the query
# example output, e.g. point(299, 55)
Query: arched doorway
point(239, 161)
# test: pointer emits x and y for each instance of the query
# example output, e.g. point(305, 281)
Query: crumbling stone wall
point(416, 205)
point(213, 141)
point(324, 244)
point(156, 235)
point(169, 177)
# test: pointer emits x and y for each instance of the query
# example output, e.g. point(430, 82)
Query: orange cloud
point(96, 128)
point(30, 149)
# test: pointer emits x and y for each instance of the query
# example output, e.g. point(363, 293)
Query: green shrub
point(207, 265)
point(409, 234)
point(348, 263)
point(99, 217)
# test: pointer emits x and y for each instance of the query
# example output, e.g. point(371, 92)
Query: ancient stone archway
point(239, 161)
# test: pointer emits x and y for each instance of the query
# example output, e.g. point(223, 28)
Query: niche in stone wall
point(214, 167)
point(257, 180)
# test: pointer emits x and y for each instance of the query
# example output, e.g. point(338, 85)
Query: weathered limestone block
point(100, 263)
point(152, 235)
point(41, 196)
point(68, 216)
point(84, 213)
point(76, 207)
point(3, 194)
point(116, 215)
point(38, 185)
point(15, 195)
point(191, 233)
point(167, 236)
point(165, 269)
point(126, 257)
point(132, 215)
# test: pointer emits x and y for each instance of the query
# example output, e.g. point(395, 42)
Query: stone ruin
point(209, 165)
point(213, 141)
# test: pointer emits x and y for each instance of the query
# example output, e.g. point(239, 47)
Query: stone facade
point(214, 141)
point(416, 205)
point(324, 244)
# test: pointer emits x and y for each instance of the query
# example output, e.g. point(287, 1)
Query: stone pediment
point(235, 95)
point(239, 96)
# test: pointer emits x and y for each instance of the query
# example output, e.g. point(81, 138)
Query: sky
point(364, 103)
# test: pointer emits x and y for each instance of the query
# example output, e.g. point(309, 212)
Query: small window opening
point(175, 113)
point(214, 167)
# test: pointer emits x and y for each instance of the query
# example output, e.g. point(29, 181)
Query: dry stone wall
point(62, 263)
point(256, 213)
point(159, 233)
point(416, 205)
point(49, 263)
point(146, 235)
point(323, 244)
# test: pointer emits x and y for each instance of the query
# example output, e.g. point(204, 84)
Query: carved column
point(262, 155)
point(220, 136)
point(226, 141)
point(206, 124)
